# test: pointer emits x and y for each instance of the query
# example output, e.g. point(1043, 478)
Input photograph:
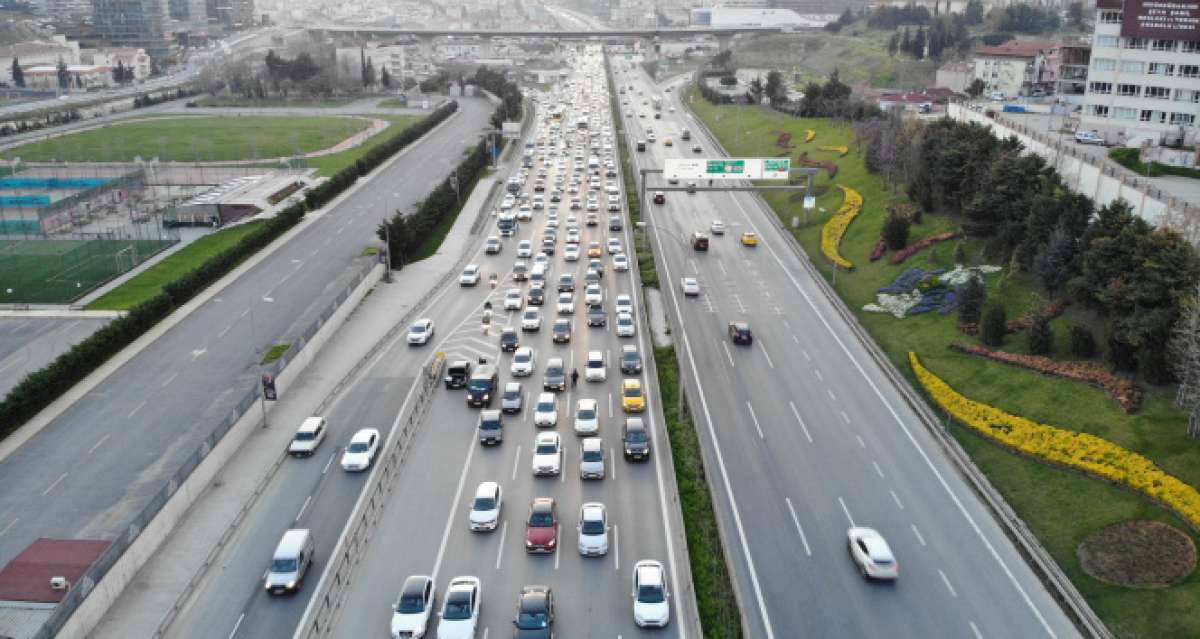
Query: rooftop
point(1018, 49)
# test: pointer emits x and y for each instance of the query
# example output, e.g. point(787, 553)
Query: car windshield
point(541, 520)
point(633, 391)
point(410, 604)
point(636, 436)
point(624, 321)
point(305, 436)
point(418, 328)
point(522, 357)
point(532, 620)
point(545, 407)
point(484, 503)
point(593, 527)
point(593, 456)
point(554, 371)
point(546, 449)
point(587, 413)
point(458, 607)
point(631, 357)
point(650, 594)
point(512, 394)
point(283, 565)
point(595, 363)
point(479, 384)
point(358, 447)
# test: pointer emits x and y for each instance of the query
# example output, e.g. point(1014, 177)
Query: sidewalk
point(159, 584)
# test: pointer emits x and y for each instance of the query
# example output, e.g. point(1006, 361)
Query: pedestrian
point(574, 377)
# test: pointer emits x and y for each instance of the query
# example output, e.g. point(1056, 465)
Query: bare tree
point(1185, 353)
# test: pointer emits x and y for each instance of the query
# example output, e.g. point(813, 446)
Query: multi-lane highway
point(88, 472)
point(424, 530)
point(804, 437)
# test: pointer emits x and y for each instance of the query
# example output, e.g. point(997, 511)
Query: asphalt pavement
point(804, 437)
point(29, 343)
point(92, 469)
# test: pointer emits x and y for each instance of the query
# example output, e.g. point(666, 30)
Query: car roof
point(587, 402)
point(593, 443)
point(546, 397)
point(542, 504)
point(632, 383)
point(310, 423)
point(546, 437)
point(486, 489)
point(555, 361)
point(512, 386)
point(414, 585)
point(635, 423)
point(364, 434)
point(650, 573)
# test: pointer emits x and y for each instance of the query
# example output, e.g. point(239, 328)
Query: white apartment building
point(1143, 84)
point(1014, 68)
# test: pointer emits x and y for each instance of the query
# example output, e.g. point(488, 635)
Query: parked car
point(1089, 137)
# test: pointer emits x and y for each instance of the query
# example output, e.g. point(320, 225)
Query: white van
point(292, 559)
point(310, 435)
point(538, 274)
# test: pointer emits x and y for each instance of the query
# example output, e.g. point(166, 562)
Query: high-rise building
point(236, 14)
point(133, 23)
point(1143, 83)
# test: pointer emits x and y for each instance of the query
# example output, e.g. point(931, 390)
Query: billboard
point(727, 168)
point(511, 130)
point(1166, 19)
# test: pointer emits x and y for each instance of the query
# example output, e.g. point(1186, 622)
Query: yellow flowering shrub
point(809, 134)
point(1081, 451)
point(840, 150)
point(835, 228)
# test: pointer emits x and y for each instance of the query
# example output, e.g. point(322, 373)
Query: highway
point(91, 470)
point(804, 436)
point(424, 528)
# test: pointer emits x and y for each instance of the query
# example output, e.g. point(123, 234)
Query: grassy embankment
point(1062, 508)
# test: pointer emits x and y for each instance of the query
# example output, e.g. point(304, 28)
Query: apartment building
point(1143, 85)
point(1017, 67)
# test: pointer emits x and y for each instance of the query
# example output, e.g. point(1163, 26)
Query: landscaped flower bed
point(1123, 390)
point(809, 134)
point(913, 292)
point(879, 250)
point(1021, 323)
point(840, 150)
point(924, 243)
point(1080, 451)
point(835, 228)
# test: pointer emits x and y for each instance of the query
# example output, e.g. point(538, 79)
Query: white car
point(420, 331)
point(460, 609)
point(513, 300)
point(595, 370)
point(492, 246)
point(620, 263)
point(470, 275)
point(531, 320)
point(651, 608)
point(525, 248)
point(717, 227)
point(566, 303)
point(545, 412)
point(1088, 137)
point(871, 552)
point(690, 286)
point(485, 508)
point(624, 303)
point(525, 213)
point(572, 235)
point(523, 362)
point(587, 417)
point(547, 454)
point(593, 294)
point(571, 252)
point(361, 451)
point(625, 326)
point(614, 246)
point(414, 607)
point(593, 529)
point(591, 458)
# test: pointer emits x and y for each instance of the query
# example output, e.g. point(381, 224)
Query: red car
point(660, 197)
point(541, 531)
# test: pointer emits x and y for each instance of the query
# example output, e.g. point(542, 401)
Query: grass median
point(328, 165)
point(1060, 507)
point(717, 605)
point(150, 282)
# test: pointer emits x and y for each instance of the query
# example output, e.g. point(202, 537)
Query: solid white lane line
point(727, 353)
point(500, 552)
point(896, 498)
point(55, 483)
point(9, 526)
point(946, 581)
point(721, 265)
point(786, 324)
point(845, 417)
point(169, 380)
point(916, 532)
point(801, 421)
point(878, 470)
point(817, 372)
point(516, 463)
point(307, 501)
point(102, 440)
point(616, 548)
point(610, 406)
point(224, 330)
point(765, 353)
point(832, 395)
point(612, 456)
point(806, 357)
point(462, 478)
point(958, 504)
point(975, 630)
point(328, 463)
point(795, 339)
point(796, 520)
point(847, 511)
point(861, 443)
point(557, 554)
point(755, 418)
point(237, 625)
point(134, 411)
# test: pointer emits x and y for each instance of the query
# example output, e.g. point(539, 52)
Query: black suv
point(596, 315)
point(634, 439)
point(509, 340)
point(482, 386)
point(537, 296)
point(457, 374)
point(562, 331)
point(739, 332)
point(631, 360)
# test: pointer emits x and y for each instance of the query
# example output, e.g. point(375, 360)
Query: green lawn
point(1048, 499)
point(150, 282)
point(859, 54)
point(392, 103)
point(195, 138)
point(237, 101)
point(327, 165)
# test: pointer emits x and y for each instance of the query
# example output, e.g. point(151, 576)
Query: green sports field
point(61, 271)
point(195, 139)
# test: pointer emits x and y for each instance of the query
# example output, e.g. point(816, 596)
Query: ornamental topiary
point(1083, 344)
point(895, 232)
point(1041, 336)
point(995, 326)
point(971, 300)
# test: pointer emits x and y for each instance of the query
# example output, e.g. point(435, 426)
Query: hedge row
point(42, 387)
point(318, 197)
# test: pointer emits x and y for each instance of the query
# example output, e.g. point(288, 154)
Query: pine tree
point(895, 232)
point(385, 78)
point(905, 41)
point(18, 74)
point(893, 43)
point(971, 299)
point(995, 326)
point(1041, 336)
point(918, 44)
point(1083, 344)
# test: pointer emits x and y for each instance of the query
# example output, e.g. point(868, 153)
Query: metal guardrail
point(1027, 544)
point(107, 559)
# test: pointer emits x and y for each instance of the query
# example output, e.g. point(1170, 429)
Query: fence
point(87, 582)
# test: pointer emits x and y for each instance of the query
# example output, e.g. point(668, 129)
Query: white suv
point(595, 370)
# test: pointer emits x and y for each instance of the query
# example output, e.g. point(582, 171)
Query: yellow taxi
point(749, 239)
point(633, 400)
point(668, 142)
point(595, 250)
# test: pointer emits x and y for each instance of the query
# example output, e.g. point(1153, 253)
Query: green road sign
point(725, 167)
